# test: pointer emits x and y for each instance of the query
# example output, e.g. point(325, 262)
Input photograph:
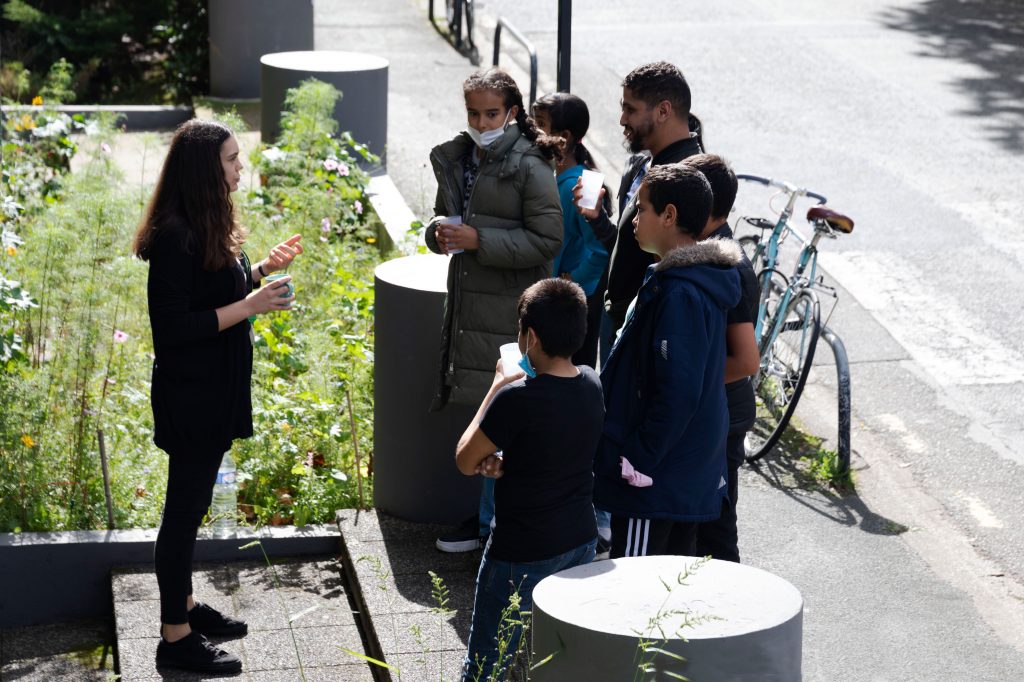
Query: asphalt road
point(908, 116)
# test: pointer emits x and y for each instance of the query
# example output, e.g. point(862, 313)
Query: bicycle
point(788, 320)
point(455, 12)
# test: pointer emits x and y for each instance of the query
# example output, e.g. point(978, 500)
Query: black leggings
point(190, 479)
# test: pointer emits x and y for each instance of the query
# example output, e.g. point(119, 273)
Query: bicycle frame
point(769, 252)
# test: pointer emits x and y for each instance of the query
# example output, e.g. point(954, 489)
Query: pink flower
point(358, 206)
point(120, 336)
point(330, 164)
point(105, 148)
point(342, 169)
point(325, 225)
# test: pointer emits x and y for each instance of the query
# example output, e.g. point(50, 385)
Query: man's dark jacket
point(628, 263)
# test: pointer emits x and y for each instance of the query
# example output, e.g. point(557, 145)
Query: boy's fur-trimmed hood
point(724, 253)
point(709, 265)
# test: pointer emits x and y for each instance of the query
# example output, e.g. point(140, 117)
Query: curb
point(64, 576)
point(134, 117)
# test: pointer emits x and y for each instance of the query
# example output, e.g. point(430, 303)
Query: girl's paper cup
point(591, 189)
point(452, 220)
point(510, 355)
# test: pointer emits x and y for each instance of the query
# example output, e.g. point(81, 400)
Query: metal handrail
point(843, 390)
point(525, 42)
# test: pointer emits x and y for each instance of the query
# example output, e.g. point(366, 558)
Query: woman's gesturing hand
point(274, 296)
point(282, 255)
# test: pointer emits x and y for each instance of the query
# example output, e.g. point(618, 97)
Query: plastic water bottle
point(224, 508)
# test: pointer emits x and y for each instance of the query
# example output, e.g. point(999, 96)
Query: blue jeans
point(486, 509)
point(496, 581)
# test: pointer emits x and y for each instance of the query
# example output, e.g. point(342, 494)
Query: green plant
point(151, 52)
point(824, 466)
point(79, 357)
point(653, 637)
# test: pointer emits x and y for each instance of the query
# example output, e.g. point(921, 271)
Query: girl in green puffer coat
point(497, 176)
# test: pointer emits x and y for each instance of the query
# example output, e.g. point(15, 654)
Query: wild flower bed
point(75, 347)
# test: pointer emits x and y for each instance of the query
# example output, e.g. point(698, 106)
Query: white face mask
point(489, 137)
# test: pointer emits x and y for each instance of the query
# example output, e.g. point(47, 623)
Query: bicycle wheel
point(785, 365)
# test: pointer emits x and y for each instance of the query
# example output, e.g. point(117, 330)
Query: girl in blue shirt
point(583, 259)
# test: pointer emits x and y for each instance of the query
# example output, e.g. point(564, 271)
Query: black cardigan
point(201, 393)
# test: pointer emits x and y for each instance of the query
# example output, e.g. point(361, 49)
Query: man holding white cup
point(658, 129)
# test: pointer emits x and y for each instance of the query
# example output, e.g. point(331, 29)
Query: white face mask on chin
point(489, 137)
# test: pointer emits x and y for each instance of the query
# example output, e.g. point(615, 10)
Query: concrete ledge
point(391, 208)
point(50, 577)
point(134, 117)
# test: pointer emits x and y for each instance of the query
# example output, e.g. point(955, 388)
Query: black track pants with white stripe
point(652, 537)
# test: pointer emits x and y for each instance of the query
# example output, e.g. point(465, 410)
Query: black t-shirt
point(740, 394)
point(548, 429)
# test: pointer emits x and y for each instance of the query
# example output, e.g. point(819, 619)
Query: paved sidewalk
point(298, 615)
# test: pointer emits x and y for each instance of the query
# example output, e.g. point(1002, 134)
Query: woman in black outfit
point(200, 297)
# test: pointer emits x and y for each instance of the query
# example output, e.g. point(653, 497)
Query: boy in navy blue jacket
point(660, 468)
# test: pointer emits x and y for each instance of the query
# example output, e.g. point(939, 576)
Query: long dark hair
point(569, 112)
point(496, 80)
point(193, 194)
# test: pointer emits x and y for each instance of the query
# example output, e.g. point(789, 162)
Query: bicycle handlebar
point(783, 185)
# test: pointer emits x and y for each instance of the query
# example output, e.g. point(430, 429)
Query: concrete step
point(298, 613)
point(387, 564)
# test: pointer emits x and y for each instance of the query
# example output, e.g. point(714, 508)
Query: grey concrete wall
point(415, 477)
point(362, 79)
point(133, 117)
point(242, 31)
point(52, 577)
point(744, 624)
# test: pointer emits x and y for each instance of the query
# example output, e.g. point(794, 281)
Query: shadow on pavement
point(789, 475)
point(988, 34)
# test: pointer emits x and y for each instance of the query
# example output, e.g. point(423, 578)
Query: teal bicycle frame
point(768, 253)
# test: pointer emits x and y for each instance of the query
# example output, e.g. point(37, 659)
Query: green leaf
point(368, 659)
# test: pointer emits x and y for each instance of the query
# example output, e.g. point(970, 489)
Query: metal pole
point(564, 44)
point(106, 479)
point(843, 390)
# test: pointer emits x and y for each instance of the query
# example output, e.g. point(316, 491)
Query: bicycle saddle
point(837, 221)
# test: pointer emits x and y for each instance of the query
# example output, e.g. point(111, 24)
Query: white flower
point(51, 129)
point(273, 154)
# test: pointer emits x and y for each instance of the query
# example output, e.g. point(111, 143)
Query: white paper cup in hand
point(452, 220)
point(591, 188)
point(510, 355)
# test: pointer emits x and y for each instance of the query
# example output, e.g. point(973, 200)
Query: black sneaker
point(465, 538)
point(208, 621)
point(194, 652)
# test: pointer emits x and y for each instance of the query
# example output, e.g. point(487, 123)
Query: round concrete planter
point(362, 79)
point(414, 449)
point(743, 624)
point(242, 31)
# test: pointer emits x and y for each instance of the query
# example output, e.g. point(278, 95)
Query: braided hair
point(570, 113)
point(496, 80)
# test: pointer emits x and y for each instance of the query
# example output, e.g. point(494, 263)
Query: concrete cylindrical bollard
point(414, 449)
point(242, 31)
point(740, 623)
point(362, 79)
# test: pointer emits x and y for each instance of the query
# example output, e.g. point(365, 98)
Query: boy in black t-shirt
point(547, 425)
point(718, 538)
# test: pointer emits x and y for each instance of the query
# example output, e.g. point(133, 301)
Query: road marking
point(928, 322)
point(896, 425)
point(982, 514)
